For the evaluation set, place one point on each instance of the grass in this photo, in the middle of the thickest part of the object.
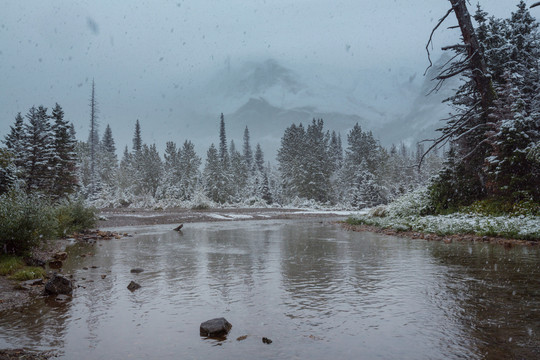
(14, 267)
(28, 273)
(10, 264)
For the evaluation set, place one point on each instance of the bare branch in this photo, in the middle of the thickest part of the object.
(452, 74)
(454, 47)
(535, 4)
(430, 41)
(445, 137)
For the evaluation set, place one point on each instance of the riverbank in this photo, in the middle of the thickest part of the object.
(116, 218)
(449, 238)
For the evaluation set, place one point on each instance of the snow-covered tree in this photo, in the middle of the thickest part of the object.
(38, 152)
(247, 152)
(215, 181)
(64, 161)
(189, 164)
(108, 160)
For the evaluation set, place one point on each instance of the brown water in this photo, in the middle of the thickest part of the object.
(316, 291)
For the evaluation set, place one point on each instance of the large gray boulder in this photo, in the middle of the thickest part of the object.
(215, 328)
(59, 285)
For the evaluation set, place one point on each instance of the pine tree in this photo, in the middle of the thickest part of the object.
(137, 139)
(259, 159)
(108, 161)
(335, 152)
(189, 164)
(64, 161)
(7, 170)
(223, 152)
(363, 177)
(317, 164)
(171, 171)
(238, 174)
(38, 152)
(14, 141)
(290, 159)
(247, 152)
(150, 171)
(125, 173)
(215, 183)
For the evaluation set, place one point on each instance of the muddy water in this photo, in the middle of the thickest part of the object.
(316, 291)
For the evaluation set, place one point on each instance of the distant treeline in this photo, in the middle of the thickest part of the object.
(312, 166)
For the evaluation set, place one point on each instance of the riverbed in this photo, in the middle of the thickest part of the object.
(315, 290)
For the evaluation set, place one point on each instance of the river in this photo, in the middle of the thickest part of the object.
(315, 290)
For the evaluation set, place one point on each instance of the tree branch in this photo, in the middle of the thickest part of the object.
(430, 41)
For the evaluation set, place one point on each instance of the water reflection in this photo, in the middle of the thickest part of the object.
(317, 291)
(493, 292)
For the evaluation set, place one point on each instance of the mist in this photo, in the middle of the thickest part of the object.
(176, 65)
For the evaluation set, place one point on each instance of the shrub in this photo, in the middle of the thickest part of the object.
(413, 203)
(73, 216)
(24, 221)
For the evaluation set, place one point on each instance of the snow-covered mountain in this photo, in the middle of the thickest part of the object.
(268, 96)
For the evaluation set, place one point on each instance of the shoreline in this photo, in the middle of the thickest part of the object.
(118, 218)
(506, 242)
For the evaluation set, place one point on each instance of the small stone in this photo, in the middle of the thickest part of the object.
(103, 276)
(215, 328)
(240, 338)
(133, 286)
(266, 340)
(136, 271)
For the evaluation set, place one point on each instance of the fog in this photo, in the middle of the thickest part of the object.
(176, 65)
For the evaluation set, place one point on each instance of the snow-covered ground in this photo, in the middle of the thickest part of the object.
(517, 227)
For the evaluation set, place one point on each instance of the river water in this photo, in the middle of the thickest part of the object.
(315, 290)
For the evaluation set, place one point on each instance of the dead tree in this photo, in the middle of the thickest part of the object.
(475, 63)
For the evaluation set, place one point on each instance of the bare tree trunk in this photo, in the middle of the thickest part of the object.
(477, 64)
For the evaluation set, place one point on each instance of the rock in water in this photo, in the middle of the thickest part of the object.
(266, 340)
(59, 285)
(62, 255)
(215, 328)
(136, 270)
(179, 227)
(133, 286)
(55, 264)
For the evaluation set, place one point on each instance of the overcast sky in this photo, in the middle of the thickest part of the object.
(142, 54)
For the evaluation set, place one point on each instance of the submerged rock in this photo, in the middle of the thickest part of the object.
(62, 255)
(59, 285)
(133, 286)
(136, 270)
(55, 264)
(215, 328)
